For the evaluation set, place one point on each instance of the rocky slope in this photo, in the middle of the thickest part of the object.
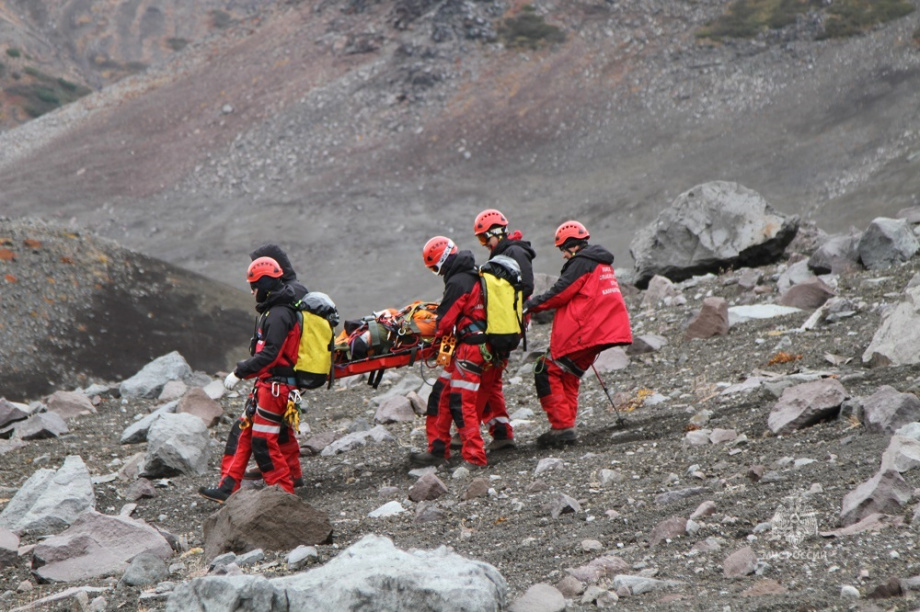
(350, 132)
(628, 479)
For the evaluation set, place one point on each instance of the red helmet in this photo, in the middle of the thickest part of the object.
(436, 251)
(488, 219)
(263, 266)
(571, 229)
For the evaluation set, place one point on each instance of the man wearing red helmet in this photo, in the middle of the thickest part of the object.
(491, 228)
(590, 316)
(274, 353)
(460, 314)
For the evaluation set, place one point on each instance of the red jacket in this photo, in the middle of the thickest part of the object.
(461, 307)
(590, 311)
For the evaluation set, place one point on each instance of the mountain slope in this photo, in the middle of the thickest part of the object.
(350, 132)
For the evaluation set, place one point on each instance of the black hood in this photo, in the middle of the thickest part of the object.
(507, 243)
(277, 253)
(597, 253)
(461, 262)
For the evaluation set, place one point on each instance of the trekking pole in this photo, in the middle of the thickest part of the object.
(620, 419)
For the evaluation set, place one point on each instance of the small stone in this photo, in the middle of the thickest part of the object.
(849, 592)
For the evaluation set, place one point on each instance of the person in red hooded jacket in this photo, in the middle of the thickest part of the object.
(274, 353)
(590, 317)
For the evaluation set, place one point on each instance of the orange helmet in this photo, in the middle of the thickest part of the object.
(488, 219)
(263, 266)
(571, 229)
(436, 251)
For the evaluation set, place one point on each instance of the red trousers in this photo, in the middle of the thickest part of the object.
(491, 405)
(461, 404)
(557, 383)
(279, 461)
(494, 411)
(239, 449)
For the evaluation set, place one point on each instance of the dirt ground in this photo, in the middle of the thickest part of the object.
(513, 528)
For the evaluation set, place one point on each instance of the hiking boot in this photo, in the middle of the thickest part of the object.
(557, 438)
(298, 482)
(473, 467)
(501, 444)
(218, 494)
(456, 442)
(425, 459)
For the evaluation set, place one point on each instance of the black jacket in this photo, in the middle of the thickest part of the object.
(276, 319)
(521, 252)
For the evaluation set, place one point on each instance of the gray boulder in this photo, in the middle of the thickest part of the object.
(176, 444)
(897, 340)
(374, 570)
(886, 243)
(96, 545)
(887, 492)
(886, 410)
(805, 404)
(709, 228)
(50, 500)
(149, 381)
(228, 593)
(837, 255)
(136, 432)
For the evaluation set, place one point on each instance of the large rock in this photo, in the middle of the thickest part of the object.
(837, 255)
(69, 404)
(269, 518)
(137, 431)
(197, 403)
(709, 228)
(897, 340)
(887, 410)
(50, 500)
(96, 545)
(149, 381)
(41, 426)
(712, 320)
(10, 412)
(803, 405)
(374, 570)
(176, 444)
(371, 574)
(886, 243)
(886, 493)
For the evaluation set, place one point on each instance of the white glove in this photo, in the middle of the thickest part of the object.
(231, 380)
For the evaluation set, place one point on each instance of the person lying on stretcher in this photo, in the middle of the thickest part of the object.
(386, 331)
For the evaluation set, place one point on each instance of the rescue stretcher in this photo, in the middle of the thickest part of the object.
(389, 339)
(377, 364)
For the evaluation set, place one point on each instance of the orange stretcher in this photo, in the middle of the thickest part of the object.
(377, 364)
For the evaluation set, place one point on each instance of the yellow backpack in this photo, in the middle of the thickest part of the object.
(318, 316)
(503, 298)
